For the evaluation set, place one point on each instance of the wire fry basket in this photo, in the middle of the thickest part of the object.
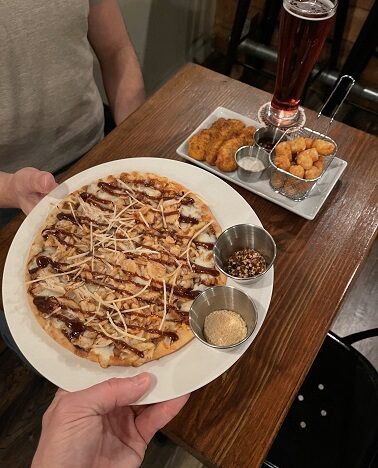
(289, 185)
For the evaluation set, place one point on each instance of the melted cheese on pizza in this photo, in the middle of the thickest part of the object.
(119, 263)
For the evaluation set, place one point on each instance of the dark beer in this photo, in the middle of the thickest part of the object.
(304, 28)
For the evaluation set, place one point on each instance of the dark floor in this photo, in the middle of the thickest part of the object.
(359, 309)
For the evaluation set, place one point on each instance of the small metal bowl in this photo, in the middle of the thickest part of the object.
(242, 236)
(268, 137)
(251, 152)
(222, 298)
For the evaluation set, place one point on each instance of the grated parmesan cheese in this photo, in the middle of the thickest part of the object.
(224, 328)
(165, 305)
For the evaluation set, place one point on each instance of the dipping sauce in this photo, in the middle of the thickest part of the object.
(266, 143)
(224, 328)
(246, 263)
(251, 164)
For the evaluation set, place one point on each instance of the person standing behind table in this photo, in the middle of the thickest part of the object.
(51, 111)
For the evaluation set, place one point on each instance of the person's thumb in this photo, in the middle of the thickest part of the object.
(44, 182)
(36, 181)
(114, 393)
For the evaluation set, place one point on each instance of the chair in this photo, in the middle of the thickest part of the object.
(264, 32)
(363, 49)
(333, 421)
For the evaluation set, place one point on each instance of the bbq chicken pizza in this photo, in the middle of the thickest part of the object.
(112, 273)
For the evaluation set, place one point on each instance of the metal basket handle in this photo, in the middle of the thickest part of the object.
(347, 91)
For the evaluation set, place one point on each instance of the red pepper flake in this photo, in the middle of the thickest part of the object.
(245, 263)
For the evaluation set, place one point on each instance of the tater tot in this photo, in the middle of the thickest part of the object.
(314, 154)
(319, 163)
(309, 142)
(297, 171)
(304, 159)
(312, 173)
(310, 152)
(283, 149)
(323, 147)
(282, 162)
(297, 145)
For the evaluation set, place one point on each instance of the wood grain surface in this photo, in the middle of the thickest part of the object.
(232, 421)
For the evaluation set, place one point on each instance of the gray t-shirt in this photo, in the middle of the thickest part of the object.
(51, 111)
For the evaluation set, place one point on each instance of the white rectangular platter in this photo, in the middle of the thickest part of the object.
(307, 208)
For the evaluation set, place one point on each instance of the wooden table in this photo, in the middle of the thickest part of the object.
(232, 421)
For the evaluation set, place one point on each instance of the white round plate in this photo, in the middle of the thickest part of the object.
(188, 369)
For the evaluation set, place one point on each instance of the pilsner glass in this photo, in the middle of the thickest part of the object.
(304, 27)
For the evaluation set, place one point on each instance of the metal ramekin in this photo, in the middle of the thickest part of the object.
(222, 298)
(243, 236)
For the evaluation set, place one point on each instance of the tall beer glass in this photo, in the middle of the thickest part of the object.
(304, 27)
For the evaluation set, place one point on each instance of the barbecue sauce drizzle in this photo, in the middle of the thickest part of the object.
(76, 327)
(43, 261)
(48, 305)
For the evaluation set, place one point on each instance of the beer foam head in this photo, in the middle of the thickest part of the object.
(313, 10)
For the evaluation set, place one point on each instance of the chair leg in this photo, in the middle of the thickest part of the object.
(269, 21)
(354, 337)
(237, 29)
(364, 46)
(264, 34)
(341, 17)
(268, 464)
(359, 56)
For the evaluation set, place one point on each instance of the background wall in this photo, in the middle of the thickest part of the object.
(166, 34)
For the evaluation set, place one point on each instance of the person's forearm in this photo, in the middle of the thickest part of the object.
(120, 68)
(7, 199)
(123, 83)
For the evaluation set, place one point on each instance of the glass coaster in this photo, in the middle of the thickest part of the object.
(263, 114)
